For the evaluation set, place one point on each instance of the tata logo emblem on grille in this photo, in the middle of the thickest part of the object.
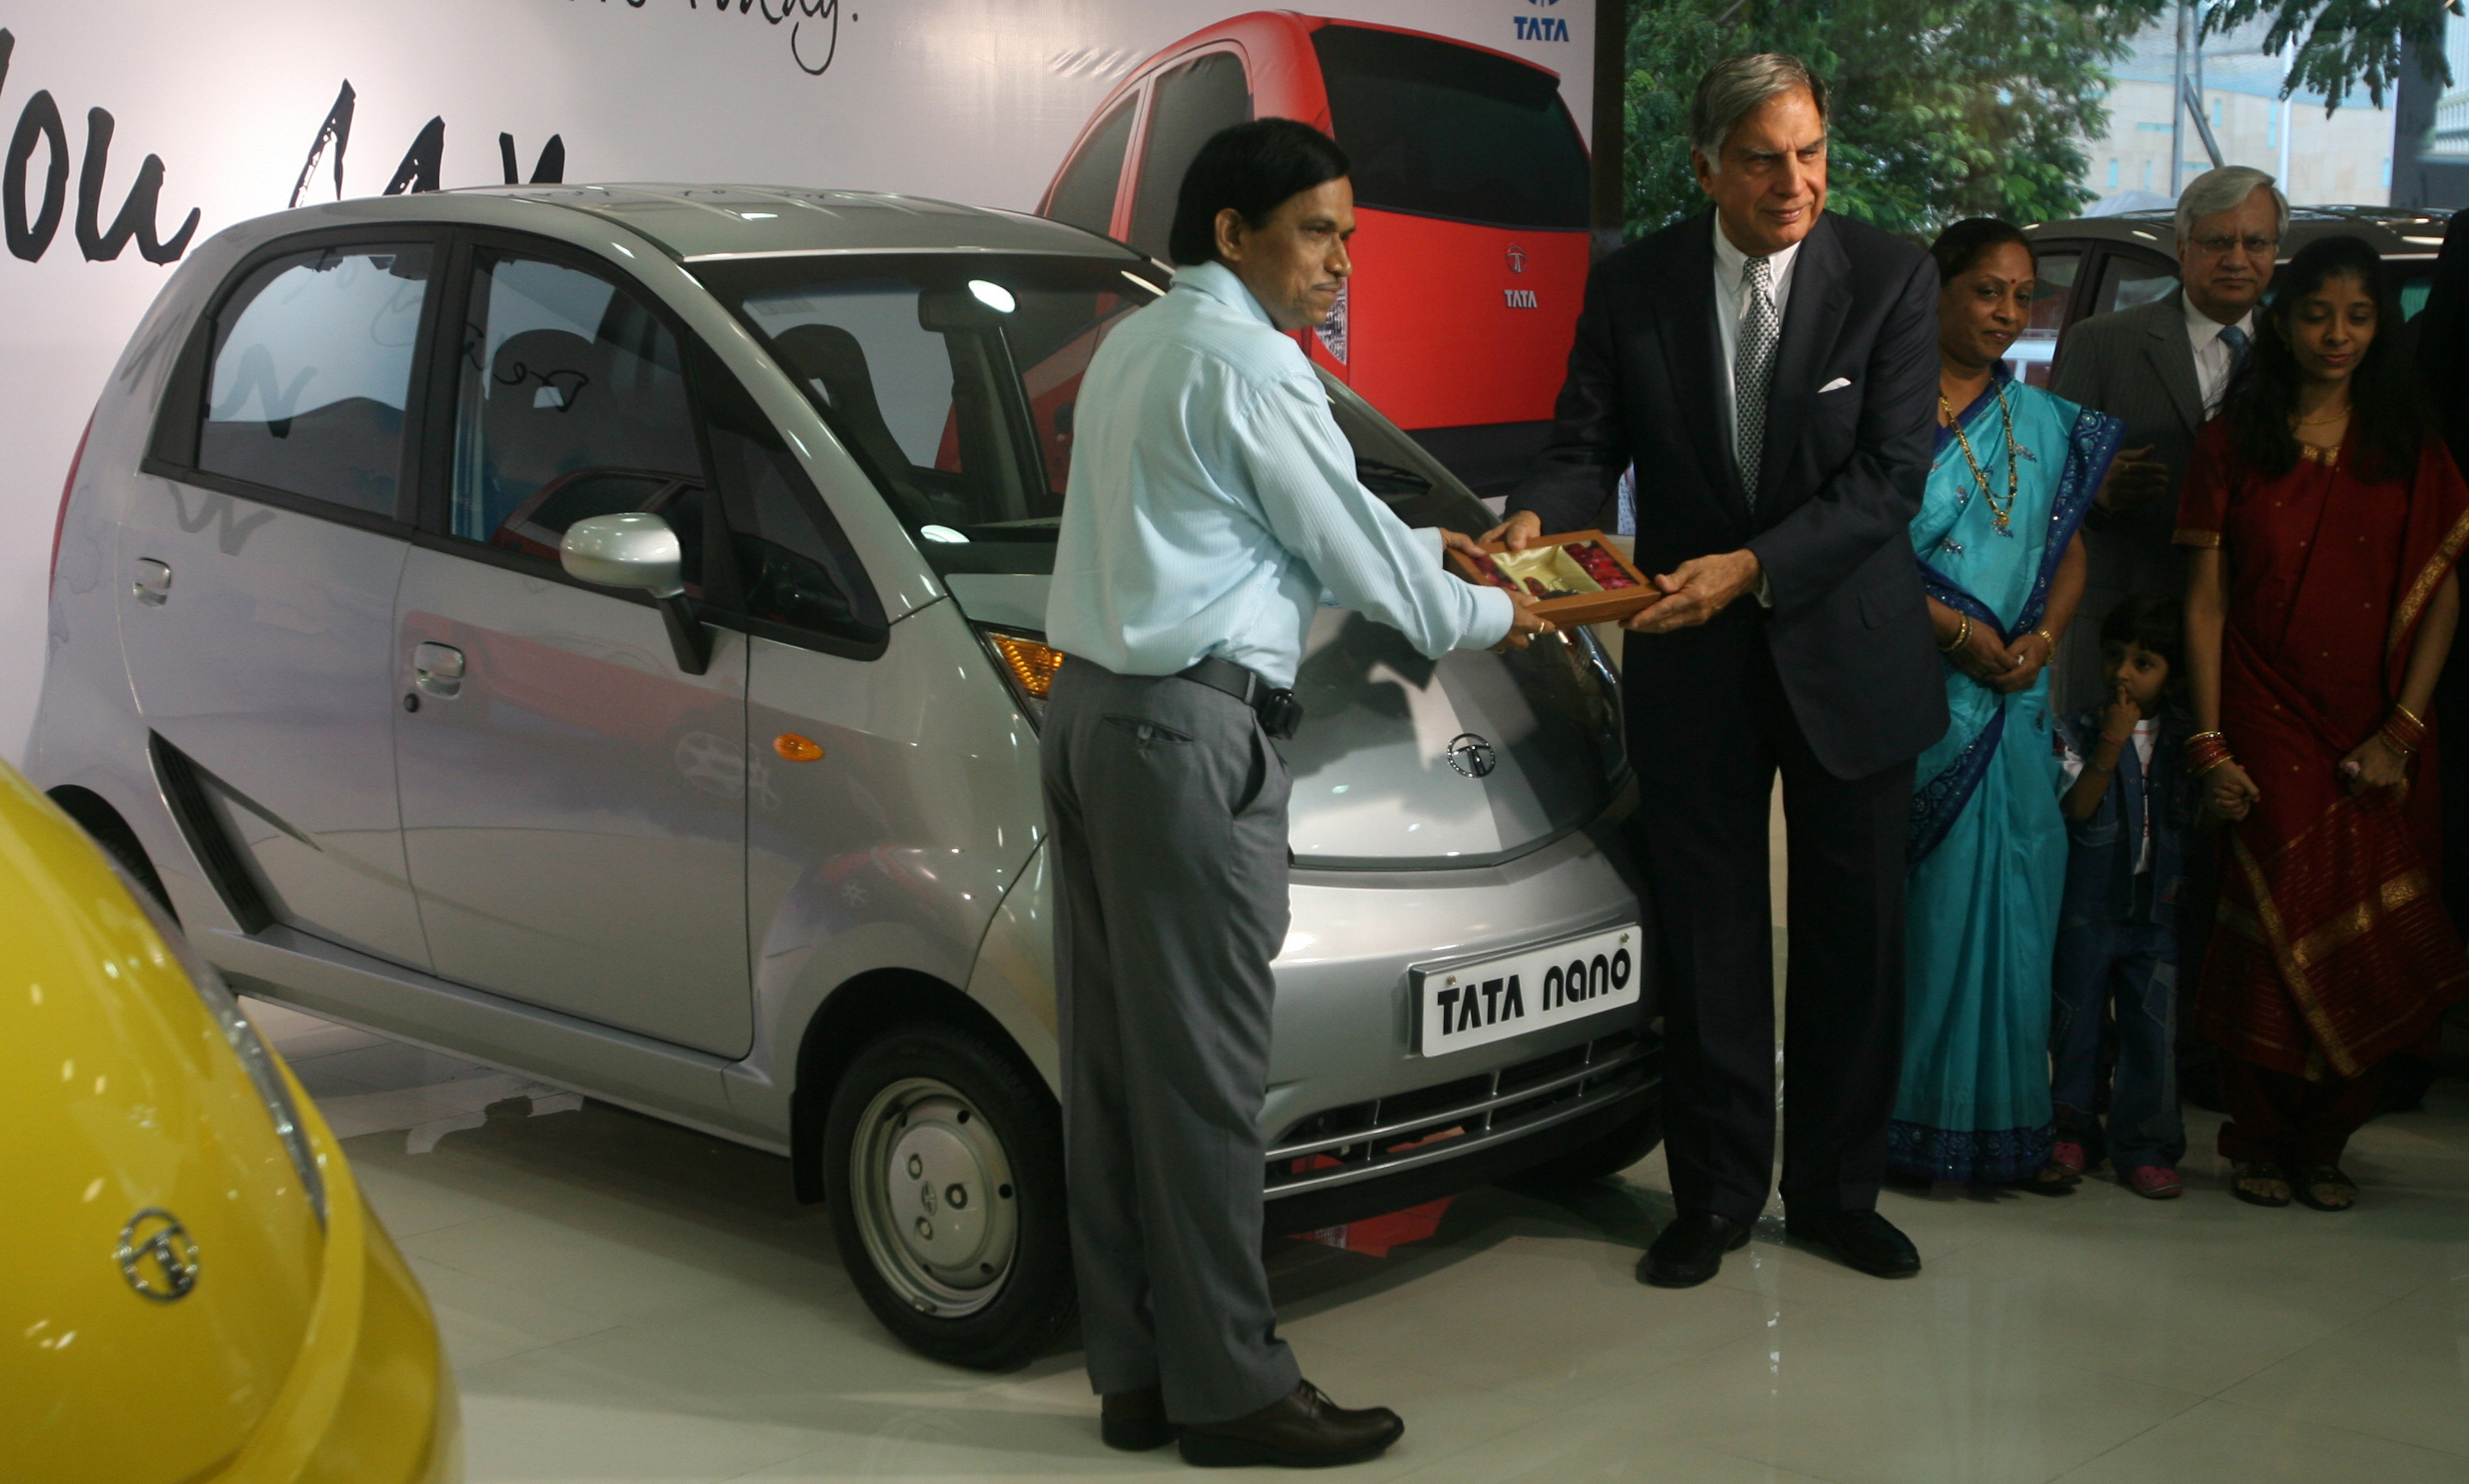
(1471, 757)
(1520, 298)
(156, 1256)
(1516, 258)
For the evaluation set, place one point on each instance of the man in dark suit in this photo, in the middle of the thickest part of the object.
(2163, 367)
(1771, 372)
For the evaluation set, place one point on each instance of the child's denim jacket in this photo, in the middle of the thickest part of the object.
(2100, 862)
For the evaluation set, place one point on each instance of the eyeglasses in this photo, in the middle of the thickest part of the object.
(2222, 247)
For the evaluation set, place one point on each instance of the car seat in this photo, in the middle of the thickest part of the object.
(834, 360)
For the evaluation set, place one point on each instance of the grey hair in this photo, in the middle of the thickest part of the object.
(2225, 189)
(1733, 89)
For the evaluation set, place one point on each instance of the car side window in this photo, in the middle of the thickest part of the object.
(1193, 102)
(572, 401)
(2129, 279)
(2054, 273)
(1085, 195)
(792, 564)
(311, 372)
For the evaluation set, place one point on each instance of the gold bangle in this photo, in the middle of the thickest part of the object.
(2415, 719)
(2048, 638)
(1962, 636)
(2200, 736)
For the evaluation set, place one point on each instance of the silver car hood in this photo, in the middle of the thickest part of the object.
(1404, 761)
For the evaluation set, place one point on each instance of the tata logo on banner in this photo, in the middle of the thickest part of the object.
(1541, 28)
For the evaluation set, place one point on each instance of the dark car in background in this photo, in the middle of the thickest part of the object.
(2095, 265)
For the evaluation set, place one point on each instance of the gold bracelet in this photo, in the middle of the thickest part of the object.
(2414, 718)
(1962, 636)
(2047, 638)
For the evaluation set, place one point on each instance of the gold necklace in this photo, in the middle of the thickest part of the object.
(1996, 512)
(2320, 421)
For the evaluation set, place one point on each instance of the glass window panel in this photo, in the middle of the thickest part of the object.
(573, 402)
(1193, 102)
(1442, 130)
(311, 372)
(1085, 196)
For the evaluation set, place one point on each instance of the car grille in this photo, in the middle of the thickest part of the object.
(1341, 1145)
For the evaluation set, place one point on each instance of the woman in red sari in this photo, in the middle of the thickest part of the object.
(2324, 522)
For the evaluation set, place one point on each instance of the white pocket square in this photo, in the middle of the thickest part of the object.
(1836, 385)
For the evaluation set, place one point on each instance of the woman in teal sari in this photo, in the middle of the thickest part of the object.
(2015, 469)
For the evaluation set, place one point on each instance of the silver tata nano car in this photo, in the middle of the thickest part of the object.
(596, 630)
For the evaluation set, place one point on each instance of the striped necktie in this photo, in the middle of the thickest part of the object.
(1753, 372)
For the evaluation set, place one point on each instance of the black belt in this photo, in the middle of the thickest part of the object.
(1280, 712)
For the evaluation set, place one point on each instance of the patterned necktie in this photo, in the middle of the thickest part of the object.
(1753, 372)
(2235, 339)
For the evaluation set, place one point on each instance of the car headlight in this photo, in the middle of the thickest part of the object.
(244, 1041)
(1028, 663)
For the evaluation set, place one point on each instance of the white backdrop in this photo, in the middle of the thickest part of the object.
(968, 99)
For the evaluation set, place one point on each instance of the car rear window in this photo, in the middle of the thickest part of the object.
(1439, 130)
(311, 370)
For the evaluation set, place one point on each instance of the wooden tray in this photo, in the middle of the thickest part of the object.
(1547, 561)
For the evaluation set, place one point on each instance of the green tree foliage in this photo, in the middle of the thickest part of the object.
(1941, 109)
(2343, 45)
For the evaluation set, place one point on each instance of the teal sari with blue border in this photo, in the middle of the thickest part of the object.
(1988, 845)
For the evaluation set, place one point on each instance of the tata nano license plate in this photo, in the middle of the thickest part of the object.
(1474, 1004)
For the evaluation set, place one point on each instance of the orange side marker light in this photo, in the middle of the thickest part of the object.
(796, 748)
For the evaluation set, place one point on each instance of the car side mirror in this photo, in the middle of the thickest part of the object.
(636, 552)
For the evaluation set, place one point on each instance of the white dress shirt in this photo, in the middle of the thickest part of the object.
(2212, 359)
(1732, 302)
(1213, 505)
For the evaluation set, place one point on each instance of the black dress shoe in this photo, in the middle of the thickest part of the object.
(1691, 1250)
(1135, 1421)
(1863, 1239)
(1301, 1429)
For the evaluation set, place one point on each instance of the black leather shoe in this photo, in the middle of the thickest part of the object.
(1863, 1239)
(1691, 1250)
(1135, 1421)
(1301, 1429)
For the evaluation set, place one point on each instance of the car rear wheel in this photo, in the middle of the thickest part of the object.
(944, 1165)
(1606, 1153)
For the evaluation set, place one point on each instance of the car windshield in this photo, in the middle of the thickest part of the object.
(1439, 130)
(950, 378)
(953, 379)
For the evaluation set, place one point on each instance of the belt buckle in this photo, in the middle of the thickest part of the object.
(1280, 714)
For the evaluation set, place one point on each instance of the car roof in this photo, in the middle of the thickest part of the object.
(2392, 231)
(703, 222)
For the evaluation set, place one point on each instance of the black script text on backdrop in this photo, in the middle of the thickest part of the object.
(39, 124)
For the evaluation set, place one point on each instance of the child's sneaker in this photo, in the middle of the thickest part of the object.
(2153, 1182)
(2072, 1154)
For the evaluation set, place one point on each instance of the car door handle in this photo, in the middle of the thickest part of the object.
(153, 583)
(437, 669)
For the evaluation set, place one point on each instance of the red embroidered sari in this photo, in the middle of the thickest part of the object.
(2331, 948)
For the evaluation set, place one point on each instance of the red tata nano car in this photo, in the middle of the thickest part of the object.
(1470, 198)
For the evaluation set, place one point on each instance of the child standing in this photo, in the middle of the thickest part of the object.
(2127, 805)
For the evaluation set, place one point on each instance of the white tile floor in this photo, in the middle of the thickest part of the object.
(626, 1300)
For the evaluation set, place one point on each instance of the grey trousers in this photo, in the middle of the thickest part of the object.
(1167, 810)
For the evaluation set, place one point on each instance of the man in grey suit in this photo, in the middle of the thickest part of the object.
(2163, 367)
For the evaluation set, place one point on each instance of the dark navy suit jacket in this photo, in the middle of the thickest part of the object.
(1840, 481)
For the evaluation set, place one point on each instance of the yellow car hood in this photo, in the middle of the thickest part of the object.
(120, 1097)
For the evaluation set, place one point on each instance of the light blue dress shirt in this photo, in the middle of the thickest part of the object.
(1213, 505)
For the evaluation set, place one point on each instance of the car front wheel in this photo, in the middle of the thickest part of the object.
(943, 1166)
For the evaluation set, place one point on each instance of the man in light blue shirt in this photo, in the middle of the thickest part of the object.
(1213, 507)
